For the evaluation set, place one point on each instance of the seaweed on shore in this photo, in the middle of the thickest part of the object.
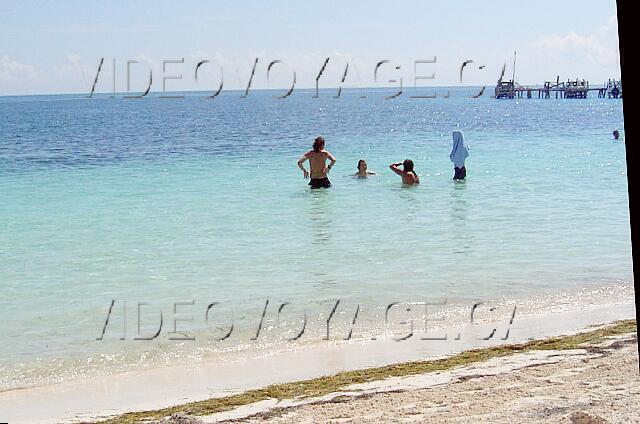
(332, 383)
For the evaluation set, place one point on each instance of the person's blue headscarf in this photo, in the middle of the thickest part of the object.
(460, 150)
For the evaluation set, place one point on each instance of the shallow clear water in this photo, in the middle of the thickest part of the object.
(165, 201)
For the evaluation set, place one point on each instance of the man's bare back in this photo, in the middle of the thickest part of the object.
(318, 164)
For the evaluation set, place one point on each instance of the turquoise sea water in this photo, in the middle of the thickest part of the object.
(163, 201)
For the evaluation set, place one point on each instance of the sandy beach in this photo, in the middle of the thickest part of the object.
(598, 384)
(232, 389)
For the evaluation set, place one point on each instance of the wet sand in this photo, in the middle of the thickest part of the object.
(598, 384)
(99, 398)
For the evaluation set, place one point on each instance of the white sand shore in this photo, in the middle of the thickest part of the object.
(586, 386)
(157, 388)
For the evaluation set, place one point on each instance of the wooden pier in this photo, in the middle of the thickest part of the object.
(570, 89)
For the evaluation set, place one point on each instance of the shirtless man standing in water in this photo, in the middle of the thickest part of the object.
(317, 160)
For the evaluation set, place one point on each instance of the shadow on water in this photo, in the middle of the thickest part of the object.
(459, 211)
(321, 225)
(410, 200)
(320, 222)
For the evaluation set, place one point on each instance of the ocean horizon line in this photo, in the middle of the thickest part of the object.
(240, 90)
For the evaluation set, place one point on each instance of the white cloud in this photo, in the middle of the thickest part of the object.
(570, 54)
(572, 46)
(74, 73)
(11, 70)
(610, 27)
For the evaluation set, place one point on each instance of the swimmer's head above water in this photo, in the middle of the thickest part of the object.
(407, 165)
(363, 172)
(318, 144)
(616, 134)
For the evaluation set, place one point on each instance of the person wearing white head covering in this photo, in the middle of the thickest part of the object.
(459, 153)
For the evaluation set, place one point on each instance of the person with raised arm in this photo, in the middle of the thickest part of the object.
(407, 173)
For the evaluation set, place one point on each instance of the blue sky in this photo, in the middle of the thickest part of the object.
(54, 47)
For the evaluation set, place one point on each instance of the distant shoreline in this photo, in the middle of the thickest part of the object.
(239, 91)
